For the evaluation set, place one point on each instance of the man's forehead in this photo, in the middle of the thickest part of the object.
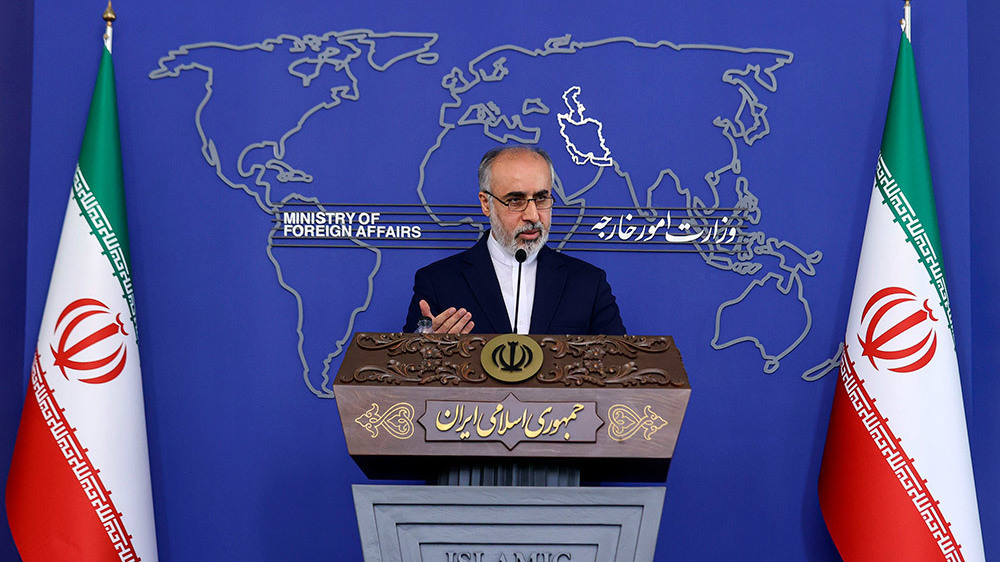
(521, 172)
(521, 192)
(516, 156)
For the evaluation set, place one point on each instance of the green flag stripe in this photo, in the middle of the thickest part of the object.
(95, 214)
(904, 147)
(917, 235)
(101, 156)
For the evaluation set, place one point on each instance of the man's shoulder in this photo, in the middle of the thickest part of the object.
(450, 263)
(564, 260)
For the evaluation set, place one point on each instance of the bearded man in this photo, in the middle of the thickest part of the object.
(475, 290)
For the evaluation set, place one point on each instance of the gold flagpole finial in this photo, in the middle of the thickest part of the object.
(109, 14)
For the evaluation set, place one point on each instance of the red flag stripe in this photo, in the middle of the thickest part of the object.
(873, 499)
(55, 495)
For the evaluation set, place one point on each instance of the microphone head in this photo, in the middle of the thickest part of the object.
(520, 255)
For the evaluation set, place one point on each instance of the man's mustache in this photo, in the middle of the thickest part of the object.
(537, 225)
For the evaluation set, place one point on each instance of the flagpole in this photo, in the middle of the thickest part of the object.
(905, 22)
(109, 17)
(78, 487)
(896, 483)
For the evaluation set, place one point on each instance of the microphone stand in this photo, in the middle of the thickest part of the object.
(520, 255)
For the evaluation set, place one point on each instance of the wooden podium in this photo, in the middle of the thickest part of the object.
(508, 426)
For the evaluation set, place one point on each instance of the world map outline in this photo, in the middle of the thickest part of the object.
(338, 50)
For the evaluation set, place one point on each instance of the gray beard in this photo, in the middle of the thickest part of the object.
(508, 240)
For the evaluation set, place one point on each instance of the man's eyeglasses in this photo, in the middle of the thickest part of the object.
(519, 204)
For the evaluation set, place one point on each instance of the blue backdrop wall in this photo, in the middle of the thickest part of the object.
(15, 124)
(983, 415)
(233, 111)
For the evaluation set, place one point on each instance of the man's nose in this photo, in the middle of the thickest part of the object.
(530, 213)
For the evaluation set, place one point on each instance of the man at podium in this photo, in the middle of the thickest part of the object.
(510, 281)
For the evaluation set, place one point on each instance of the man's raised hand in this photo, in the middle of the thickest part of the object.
(450, 321)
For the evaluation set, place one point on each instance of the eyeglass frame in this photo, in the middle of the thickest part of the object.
(526, 200)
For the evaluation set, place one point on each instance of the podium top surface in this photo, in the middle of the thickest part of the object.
(509, 360)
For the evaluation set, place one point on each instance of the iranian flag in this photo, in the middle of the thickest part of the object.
(896, 481)
(78, 487)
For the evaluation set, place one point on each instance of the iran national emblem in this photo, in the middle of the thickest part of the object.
(90, 345)
(897, 331)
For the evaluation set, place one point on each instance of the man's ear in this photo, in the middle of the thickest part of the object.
(484, 201)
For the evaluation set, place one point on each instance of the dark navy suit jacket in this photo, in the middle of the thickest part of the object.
(571, 295)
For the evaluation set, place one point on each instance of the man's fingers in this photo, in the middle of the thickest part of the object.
(464, 319)
(440, 320)
(451, 321)
(450, 318)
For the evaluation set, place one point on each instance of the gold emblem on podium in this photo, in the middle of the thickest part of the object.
(396, 421)
(626, 422)
(512, 358)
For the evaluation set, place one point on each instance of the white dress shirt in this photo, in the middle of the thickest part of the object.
(506, 269)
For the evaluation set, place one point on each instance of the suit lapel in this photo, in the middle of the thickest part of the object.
(482, 279)
(550, 279)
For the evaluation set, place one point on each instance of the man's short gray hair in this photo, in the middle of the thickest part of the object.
(486, 164)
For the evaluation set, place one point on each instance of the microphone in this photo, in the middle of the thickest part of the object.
(520, 255)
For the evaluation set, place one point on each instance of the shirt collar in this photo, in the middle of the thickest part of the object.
(499, 254)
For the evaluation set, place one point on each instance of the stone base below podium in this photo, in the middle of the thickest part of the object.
(511, 524)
